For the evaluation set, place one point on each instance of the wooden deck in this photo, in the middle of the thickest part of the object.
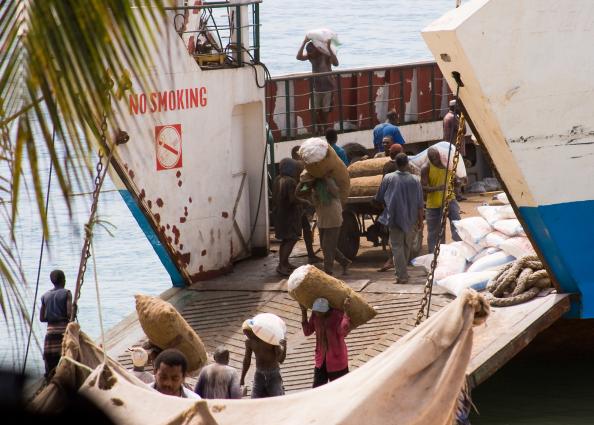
(217, 308)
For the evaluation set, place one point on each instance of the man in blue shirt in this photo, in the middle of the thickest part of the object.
(401, 194)
(332, 138)
(388, 128)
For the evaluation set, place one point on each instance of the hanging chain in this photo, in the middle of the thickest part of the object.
(448, 192)
(86, 250)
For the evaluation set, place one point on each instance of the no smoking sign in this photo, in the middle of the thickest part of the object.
(168, 144)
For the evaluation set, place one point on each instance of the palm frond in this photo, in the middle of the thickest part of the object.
(60, 61)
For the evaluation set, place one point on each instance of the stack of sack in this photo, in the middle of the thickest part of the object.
(490, 241)
(366, 176)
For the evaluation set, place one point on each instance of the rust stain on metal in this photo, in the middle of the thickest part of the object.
(126, 166)
(225, 214)
(183, 258)
(212, 239)
(159, 202)
(181, 246)
(178, 174)
(186, 211)
(210, 199)
(176, 233)
(142, 194)
(190, 199)
(210, 274)
(168, 226)
(182, 219)
(203, 253)
(158, 218)
(149, 203)
(131, 174)
(162, 229)
(179, 183)
(169, 239)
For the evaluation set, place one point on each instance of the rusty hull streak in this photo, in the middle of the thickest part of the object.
(159, 202)
(225, 214)
(210, 274)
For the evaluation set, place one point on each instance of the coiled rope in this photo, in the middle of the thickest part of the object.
(518, 282)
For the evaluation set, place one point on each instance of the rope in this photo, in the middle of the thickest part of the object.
(518, 282)
(99, 311)
(49, 185)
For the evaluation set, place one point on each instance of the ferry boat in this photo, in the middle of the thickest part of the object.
(195, 171)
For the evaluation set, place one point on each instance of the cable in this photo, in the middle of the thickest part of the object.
(49, 183)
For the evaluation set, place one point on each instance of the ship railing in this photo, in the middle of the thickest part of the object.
(219, 34)
(361, 99)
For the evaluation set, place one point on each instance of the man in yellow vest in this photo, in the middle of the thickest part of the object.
(433, 178)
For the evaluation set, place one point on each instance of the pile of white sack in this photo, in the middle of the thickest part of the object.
(489, 241)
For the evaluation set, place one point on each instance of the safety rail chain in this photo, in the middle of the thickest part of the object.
(362, 98)
(218, 40)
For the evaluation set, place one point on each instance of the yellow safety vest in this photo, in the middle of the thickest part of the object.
(437, 178)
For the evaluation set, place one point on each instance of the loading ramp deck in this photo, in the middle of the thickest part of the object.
(216, 310)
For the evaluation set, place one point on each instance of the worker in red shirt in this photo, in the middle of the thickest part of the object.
(331, 327)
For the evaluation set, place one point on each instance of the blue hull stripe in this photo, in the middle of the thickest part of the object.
(565, 235)
(176, 277)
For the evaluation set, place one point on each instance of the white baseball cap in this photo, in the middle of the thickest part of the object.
(320, 305)
(139, 357)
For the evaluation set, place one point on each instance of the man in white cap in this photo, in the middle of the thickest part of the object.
(267, 379)
(331, 327)
(139, 360)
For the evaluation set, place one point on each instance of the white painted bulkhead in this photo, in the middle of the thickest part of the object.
(527, 68)
(193, 168)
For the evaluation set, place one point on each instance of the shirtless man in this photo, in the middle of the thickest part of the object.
(267, 379)
(323, 86)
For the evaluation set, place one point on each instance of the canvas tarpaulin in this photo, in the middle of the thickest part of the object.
(415, 381)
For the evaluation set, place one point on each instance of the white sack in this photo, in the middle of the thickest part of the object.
(493, 239)
(451, 261)
(491, 262)
(518, 246)
(313, 150)
(469, 251)
(510, 227)
(268, 327)
(455, 284)
(472, 229)
(420, 160)
(495, 213)
(319, 37)
(502, 197)
(483, 253)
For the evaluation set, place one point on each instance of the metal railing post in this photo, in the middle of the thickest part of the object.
(433, 111)
(370, 96)
(340, 116)
(239, 41)
(402, 104)
(312, 106)
(287, 111)
(256, 22)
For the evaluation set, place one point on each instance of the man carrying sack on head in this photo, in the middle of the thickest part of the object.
(331, 327)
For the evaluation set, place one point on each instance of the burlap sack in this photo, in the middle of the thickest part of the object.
(369, 167)
(365, 186)
(307, 283)
(330, 166)
(166, 328)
